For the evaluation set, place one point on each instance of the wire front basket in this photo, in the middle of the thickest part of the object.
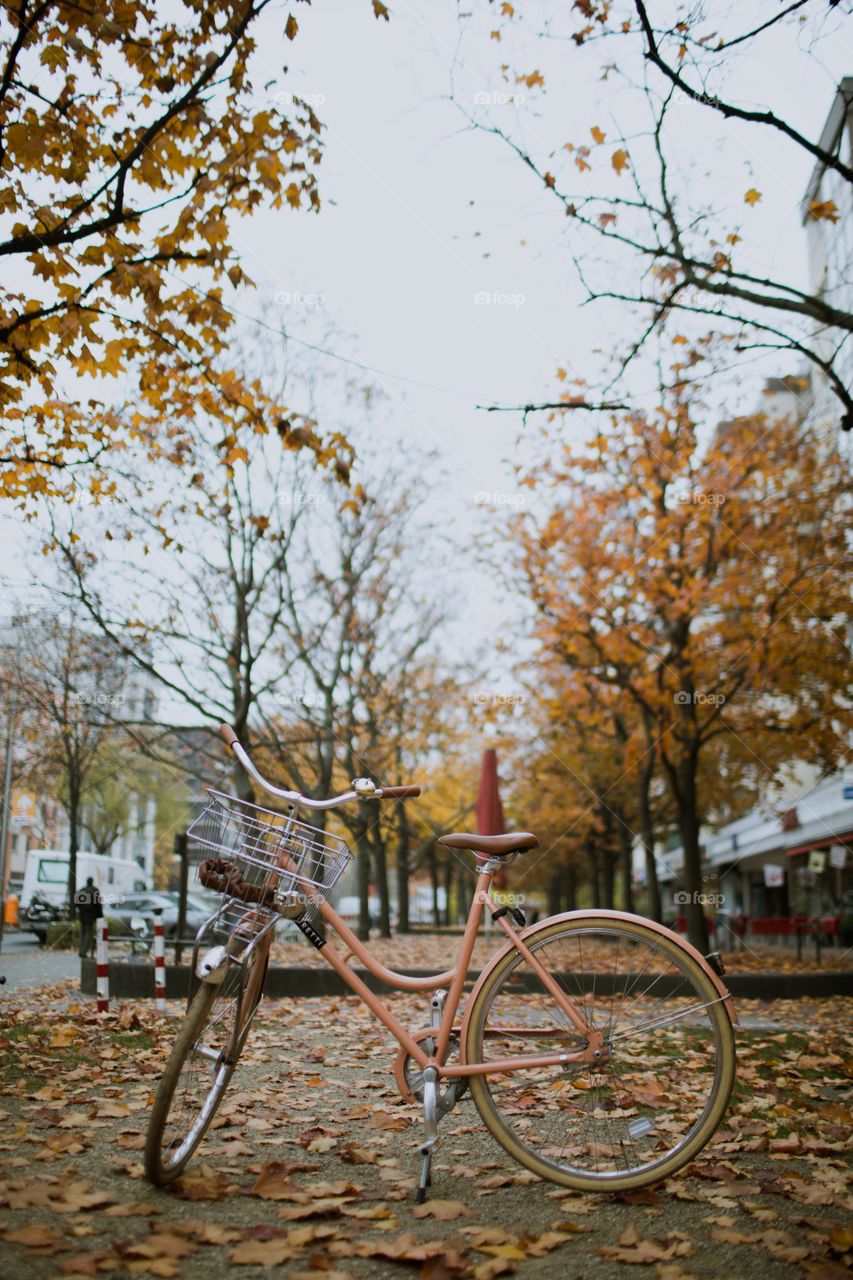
(266, 860)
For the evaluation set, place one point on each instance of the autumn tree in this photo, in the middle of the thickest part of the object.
(700, 574)
(647, 230)
(132, 137)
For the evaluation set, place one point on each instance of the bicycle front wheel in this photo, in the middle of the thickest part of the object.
(200, 1066)
(667, 1069)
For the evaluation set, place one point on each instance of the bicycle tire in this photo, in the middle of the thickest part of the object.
(166, 1157)
(641, 1112)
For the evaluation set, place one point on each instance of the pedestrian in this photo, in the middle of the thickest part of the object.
(89, 909)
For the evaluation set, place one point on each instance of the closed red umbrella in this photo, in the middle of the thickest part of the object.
(489, 810)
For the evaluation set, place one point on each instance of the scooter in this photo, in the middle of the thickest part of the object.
(39, 914)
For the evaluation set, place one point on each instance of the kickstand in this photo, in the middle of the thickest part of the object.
(431, 1131)
(426, 1178)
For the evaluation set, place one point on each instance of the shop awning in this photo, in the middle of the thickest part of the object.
(842, 837)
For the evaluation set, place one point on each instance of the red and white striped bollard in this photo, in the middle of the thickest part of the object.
(102, 966)
(159, 966)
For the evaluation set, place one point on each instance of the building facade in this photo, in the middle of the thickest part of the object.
(829, 241)
(116, 691)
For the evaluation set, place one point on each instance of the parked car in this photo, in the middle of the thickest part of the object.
(163, 905)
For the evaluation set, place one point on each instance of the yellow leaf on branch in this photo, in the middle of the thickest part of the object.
(823, 210)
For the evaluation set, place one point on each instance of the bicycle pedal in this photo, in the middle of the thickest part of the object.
(715, 960)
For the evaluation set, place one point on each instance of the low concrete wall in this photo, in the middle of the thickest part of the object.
(136, 981)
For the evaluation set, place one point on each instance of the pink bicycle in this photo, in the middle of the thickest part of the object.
(597, 1046)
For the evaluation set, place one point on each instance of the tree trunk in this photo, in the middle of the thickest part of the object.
(463, 893)
(689, 825)
(595, 885)
(625, 861)
(380, 866)
(362, 853)
(609, 876)
(647, 836)
(653, 897)
(73, 834)
(554, 887)
(449, 868)
(570, 884)
(433, 876)
(403, 925)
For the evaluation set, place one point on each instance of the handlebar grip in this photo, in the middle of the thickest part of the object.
(399, 793)
(228, 735)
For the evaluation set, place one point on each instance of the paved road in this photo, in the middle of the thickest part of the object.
(25, 964)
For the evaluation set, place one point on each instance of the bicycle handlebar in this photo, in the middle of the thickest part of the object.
(362, 793)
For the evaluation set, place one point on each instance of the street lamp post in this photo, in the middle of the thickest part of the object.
(6, 821)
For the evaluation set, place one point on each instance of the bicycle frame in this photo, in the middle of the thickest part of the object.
(455, 976)
(455, 979)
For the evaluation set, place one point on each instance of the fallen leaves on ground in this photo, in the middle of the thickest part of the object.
(313, 1158)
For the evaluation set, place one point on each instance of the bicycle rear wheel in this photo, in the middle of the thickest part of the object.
(663, 1084)
(201, 1064)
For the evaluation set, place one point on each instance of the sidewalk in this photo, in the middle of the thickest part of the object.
(26, 965)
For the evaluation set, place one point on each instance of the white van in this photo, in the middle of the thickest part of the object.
(46, 874)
